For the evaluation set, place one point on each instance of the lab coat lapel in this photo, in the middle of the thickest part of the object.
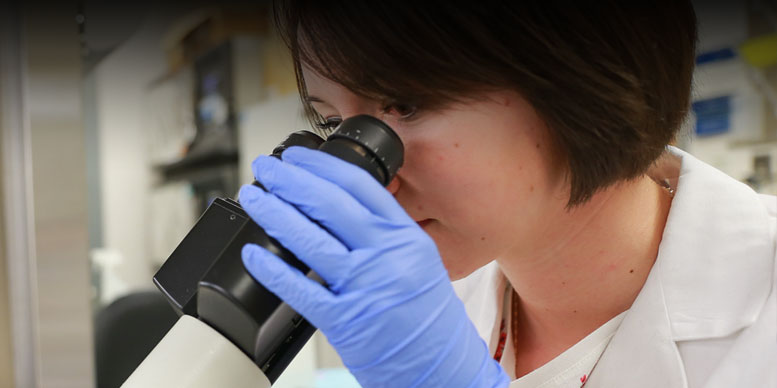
(642, 352)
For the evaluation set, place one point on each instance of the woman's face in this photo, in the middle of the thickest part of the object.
(481, 178)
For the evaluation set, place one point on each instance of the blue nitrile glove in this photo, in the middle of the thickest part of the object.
(390, 310)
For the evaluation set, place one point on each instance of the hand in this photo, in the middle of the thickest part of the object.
(389, 309)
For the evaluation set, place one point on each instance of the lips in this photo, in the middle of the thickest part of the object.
(424, 222)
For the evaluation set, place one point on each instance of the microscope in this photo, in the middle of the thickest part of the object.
(232, 332)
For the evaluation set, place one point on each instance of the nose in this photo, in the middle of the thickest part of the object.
(393, 186)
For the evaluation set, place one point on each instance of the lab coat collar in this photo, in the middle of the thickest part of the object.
(719, 241)
(712, 277)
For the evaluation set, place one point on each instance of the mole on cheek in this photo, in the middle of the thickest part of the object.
(456, 145)
(420, 207)
(531, 189)
(538, 145)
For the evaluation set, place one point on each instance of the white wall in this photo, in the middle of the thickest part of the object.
(263, 126)
(121, 83)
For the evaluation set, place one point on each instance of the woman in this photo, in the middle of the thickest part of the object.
(538, 176)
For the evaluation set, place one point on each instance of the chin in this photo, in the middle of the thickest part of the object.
(460, 260)
(456, 257)
(455, 269)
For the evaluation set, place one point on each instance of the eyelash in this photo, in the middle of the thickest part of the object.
(329, 124)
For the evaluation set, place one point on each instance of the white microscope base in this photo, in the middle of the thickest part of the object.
(193, 355)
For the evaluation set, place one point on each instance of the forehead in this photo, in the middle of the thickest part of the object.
(321, 90)
(314, 82)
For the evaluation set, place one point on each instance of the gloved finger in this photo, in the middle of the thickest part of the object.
(321, 200)
(305, 296)
(309, 242)
(357, 182)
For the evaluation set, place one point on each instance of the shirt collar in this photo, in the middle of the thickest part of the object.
(482, 293)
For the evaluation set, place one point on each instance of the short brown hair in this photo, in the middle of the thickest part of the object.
(611, 78)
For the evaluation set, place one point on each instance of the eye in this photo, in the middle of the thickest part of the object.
(329, 124)
(404, 111)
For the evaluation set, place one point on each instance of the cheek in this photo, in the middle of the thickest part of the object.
(477, 201)
(489, 193)
(472, 187)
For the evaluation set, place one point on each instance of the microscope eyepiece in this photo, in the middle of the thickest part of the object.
(368, 143)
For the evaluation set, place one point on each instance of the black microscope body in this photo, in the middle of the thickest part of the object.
(205, 278)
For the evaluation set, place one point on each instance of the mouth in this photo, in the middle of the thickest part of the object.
(424, 222)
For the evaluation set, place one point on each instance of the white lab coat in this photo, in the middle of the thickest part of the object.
(707, 314)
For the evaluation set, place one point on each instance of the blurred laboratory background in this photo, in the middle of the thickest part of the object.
(121, 121)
